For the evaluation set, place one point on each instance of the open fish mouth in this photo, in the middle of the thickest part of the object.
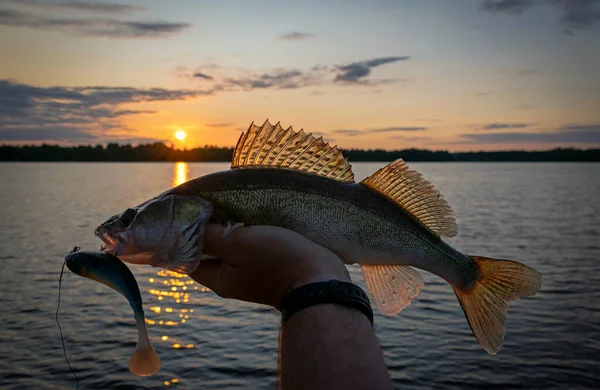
(110, 241)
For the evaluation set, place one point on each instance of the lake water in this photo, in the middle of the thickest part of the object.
(544, 215)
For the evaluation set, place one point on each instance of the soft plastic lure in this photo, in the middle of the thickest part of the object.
(109, 270)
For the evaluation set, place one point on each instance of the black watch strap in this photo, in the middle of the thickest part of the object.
(333, 291)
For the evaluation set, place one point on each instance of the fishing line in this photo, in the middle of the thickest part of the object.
(57, 323)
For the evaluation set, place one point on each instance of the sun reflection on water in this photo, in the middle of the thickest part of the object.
(172, 292)
(181, 172)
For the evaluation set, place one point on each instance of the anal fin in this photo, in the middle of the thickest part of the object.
(392, 286)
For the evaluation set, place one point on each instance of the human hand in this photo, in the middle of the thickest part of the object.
(262, 264)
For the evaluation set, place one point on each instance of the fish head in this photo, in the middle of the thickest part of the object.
(162, 231)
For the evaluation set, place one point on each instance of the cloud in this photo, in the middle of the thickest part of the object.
(500, 126)
(274, 79)
(357, 71)
(220, 125)
(393, 129)
(574, 14)
(202, 76)
(224, 79)
(91, 27)
(568, 134)
(279, 78)
(511, 7)
(577, 14)
(397, 128)
(410, 139)
(231, 79)
(132, 140)
(295, 36)
(29, 112)
(575, 127)
(74, 5)
(347, 132)
(48, 133)
(133, 112)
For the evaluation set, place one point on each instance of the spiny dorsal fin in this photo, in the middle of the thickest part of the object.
(271, 146)
(416, 195)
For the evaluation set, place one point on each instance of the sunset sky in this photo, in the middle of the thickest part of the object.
(393, 74)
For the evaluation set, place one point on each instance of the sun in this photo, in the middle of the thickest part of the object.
(180, 135)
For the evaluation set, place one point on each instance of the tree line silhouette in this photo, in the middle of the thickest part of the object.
(158, 151)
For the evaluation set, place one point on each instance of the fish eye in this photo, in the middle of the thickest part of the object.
(127, 217)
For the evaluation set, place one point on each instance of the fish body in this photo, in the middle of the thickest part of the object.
(358, 224)
(390, 223)
(112, 272)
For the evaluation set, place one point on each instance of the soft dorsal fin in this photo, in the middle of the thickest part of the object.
(416, 195)
(271, 146)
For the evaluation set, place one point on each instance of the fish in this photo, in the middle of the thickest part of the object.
(392, 223)
(107, 269)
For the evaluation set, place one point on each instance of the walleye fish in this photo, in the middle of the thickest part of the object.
(390, 223)
(109, 270)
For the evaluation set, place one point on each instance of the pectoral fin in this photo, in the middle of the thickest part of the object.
(186, 254)
(392, 286)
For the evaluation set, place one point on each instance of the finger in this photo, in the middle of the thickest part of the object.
(207, 273)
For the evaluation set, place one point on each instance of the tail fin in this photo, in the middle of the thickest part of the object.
(145, 360)
(485, 303)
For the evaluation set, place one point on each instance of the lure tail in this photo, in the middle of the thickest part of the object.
(145, 360)
(485, 303)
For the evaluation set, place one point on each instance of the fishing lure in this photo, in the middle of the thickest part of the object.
(109, 270)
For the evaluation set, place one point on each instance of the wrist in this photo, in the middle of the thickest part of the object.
(320, 270)
(314, 266)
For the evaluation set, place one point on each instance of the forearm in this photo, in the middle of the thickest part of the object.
(331, 347)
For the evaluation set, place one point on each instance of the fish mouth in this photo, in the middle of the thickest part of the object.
(109, 240)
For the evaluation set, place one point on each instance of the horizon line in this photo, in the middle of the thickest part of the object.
(207, 146)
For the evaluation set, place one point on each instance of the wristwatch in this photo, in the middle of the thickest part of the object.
(333, 291)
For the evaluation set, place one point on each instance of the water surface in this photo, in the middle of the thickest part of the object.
(544, 215)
